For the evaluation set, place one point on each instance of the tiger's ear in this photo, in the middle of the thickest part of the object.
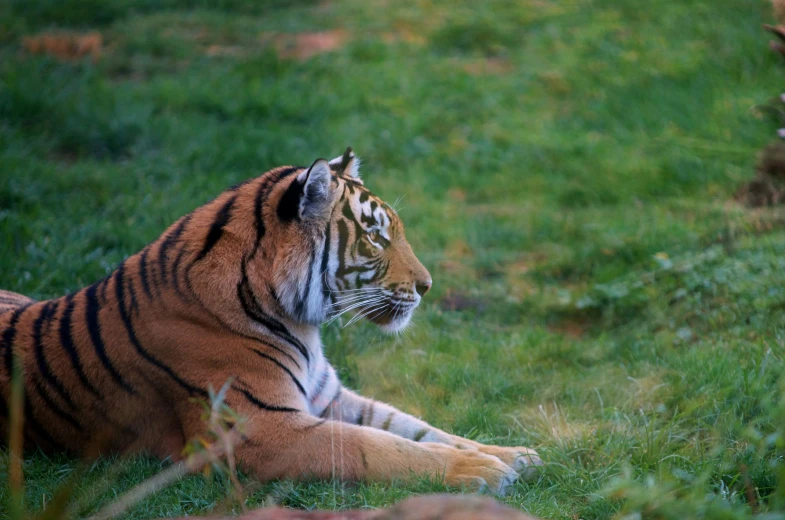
(315, 182)
(347, 165)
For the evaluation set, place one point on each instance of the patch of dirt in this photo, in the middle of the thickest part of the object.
(302, 46)
(225, 50)
(487, 67)
(768, 186)
(573, 327)
(65, 46)
(454, 301)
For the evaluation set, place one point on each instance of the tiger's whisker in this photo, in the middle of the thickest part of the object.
(354, 306)
(365, 313)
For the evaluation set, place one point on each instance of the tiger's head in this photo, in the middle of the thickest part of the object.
(345, 250)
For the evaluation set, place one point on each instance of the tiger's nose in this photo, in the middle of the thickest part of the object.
(423, 287)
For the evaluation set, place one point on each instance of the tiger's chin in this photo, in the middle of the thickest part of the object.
(395, 318)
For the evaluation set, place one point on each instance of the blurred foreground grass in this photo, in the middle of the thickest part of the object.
(566, 171)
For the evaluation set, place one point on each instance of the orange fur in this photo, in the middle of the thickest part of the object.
(235, 291)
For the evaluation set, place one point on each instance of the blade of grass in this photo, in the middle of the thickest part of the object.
(16, 443)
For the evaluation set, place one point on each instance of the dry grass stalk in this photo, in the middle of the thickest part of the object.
(16, 441)
(206, 453)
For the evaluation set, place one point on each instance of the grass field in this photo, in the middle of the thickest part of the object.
(566, 171)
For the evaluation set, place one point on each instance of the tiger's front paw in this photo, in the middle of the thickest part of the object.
(474, 469)
(524, 461)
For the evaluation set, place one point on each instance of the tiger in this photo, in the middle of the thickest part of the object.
(234, 294)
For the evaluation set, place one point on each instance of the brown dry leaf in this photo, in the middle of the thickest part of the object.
(302, 46)
(65, 46)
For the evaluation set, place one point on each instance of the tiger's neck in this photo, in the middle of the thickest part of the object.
(212, 269)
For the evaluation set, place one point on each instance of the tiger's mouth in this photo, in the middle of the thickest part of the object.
(394, 315)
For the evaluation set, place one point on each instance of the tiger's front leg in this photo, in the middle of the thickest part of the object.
(353, 408)
(298, 446)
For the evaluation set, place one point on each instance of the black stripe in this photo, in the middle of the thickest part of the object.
(359, 420)
(325, 261)
(168, 242)
(143, 273)
(420, 434)
(320, 387)
(103, 284)
(94, 328)
(279, 350)
(217, 228)
(67, 342)
(264, 189)
(314, 425)
(39, 429)
(46, 315)
(388, 421)
(254, 311)
(240, 184)
(126, 319)
(301, 304)
(289, 204)
(175, 268)
(357, 269)
(264, 406)
(380, 273)
(284, 368)
(258, 217)
(55, 408)
(343, 240)
(276, 299)
(335, 398)
(7, 341)
(362, 457)
(370, 413)
(132, 296)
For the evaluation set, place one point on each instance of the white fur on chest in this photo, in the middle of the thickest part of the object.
(321, 385)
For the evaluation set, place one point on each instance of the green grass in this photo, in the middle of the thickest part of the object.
(538, 193)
